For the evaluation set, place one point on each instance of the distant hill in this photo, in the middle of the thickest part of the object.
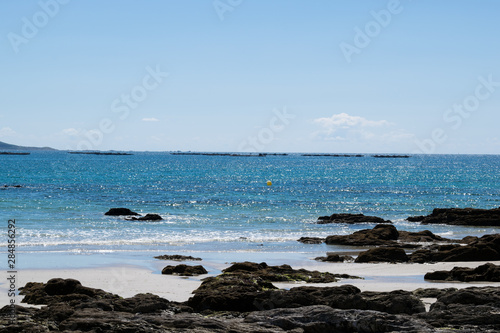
(7, 146)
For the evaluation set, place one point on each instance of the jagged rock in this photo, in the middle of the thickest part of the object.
(283, 273)
(382, 254)
(381, 234)
(311, 240)
(351, 219)
(324, 319)
(120, 212)
(177, 257)
(479, 307)
(487, 272)
(147, 217)
(460, 216)
(432, 292)
(184, 270)
(424, 236)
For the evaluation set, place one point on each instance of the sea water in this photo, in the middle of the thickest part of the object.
(220, 207)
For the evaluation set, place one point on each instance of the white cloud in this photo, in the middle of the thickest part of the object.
(345, 128)
(6, 132)
(150, 119)
(344, 121)
(71, 132)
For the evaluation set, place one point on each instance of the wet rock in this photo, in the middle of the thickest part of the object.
(472, 308)
(487, 272)
(120, 212)
(460, 216)
(432, 292)
(320, 318)
(147, 217)
(311, 240)
(424, 236)
(177, 257)
(383, 254)
(486, 248)
(351, 219)
(334, 257)
(283, 273)
(381, 234)
(184, 270)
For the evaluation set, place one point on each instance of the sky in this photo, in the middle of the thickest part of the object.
(321, 76)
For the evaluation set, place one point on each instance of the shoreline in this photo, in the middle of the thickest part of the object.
(129, 280)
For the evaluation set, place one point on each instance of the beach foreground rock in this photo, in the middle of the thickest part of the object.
(71, 307)
(487, 272)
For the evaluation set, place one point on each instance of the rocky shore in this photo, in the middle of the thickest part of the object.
(244, 299)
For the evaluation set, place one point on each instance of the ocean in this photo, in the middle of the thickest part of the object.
(220, 207)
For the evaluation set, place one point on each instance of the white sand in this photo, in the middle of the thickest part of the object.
(128, 281)
(125, 281)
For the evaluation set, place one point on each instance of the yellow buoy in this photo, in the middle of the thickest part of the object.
(269, 183)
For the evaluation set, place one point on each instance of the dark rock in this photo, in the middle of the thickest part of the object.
(487, 272)
(283, 273)
(184, 270)
(350, 219)
(381, 234)
(333, 257)
(320, 318)
(425, 236)
(120, 212)
(486, 248)
(147, 217)
(432, 292)
(311, 240)
(382, 254)
(177, 257)
(479, 307)
(461, 216)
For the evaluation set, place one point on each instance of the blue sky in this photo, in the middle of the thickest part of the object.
(239, 75)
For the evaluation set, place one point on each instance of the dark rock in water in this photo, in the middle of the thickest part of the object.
(474, 309)
(486, 248)
(333, 257)
(120, 212)
(381, 234)
(311, 240)
(147, 217)
(177, 257)
(487, 272)
(350, 219)
(324, 319)
(460, 216)
(383, 254)
(184, 270)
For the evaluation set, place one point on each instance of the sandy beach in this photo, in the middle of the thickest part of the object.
(128, 281)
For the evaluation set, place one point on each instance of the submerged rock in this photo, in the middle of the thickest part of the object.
(147, 217)
(120, 212)
(350, 219)
(177, 257)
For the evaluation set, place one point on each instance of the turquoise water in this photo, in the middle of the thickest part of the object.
(220, 206)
